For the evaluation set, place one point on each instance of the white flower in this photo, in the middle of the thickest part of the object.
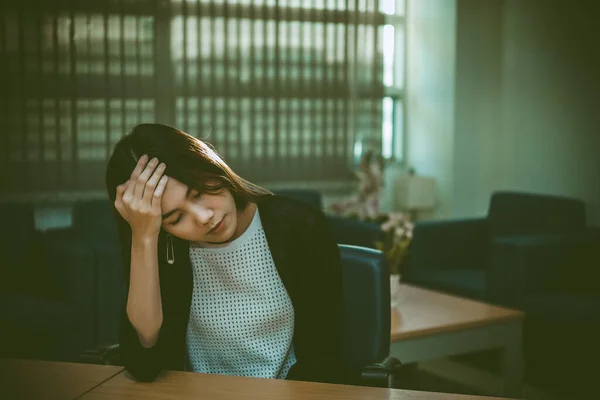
(399, 232)
(394, 220)
(387, 225)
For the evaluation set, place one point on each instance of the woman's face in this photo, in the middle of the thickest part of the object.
(198, 217)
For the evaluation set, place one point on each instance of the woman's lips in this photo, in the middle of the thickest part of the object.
(218, 228)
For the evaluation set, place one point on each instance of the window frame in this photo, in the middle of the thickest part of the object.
(396, 91)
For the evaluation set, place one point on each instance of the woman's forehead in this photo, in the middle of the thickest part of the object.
(174, 193)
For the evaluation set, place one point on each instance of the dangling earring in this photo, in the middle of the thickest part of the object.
(170, 252)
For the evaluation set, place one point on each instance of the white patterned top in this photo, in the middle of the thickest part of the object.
(241, 319)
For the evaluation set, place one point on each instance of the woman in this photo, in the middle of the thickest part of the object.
(222, 276)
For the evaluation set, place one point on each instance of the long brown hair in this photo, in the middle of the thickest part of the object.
(188, 159)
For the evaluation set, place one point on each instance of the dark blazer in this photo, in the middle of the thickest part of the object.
(308, 262)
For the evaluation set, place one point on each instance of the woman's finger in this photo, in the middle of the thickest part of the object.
(142, 179)
(119, 197)
(139, 167)
(120, 190)
(152, 182)
(129, 191)
(158, 192)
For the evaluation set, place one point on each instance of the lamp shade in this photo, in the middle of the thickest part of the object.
(414, 192)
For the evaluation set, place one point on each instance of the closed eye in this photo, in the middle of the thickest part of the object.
(180, 217)
(177, 220)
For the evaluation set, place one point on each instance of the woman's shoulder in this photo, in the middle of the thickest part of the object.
(277, 206)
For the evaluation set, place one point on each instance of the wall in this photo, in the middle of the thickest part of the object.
(551, 134)
(478, 124)
(526, 84)
(430, 93)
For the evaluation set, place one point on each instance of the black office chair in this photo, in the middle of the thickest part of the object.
(367, 315)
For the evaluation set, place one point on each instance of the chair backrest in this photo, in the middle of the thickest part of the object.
(514, 213)
(355, 232)
(367, 306)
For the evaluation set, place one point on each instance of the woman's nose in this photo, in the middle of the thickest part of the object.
(202, 215)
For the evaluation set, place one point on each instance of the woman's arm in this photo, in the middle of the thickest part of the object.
(144, 308)
(138, 201)
(143, 360)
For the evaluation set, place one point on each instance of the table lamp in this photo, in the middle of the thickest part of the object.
(414, 193)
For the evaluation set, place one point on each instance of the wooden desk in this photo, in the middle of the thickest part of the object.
(429, 325)
(31, 379)
(188, 385)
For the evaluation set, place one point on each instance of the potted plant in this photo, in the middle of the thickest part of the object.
(398, 230)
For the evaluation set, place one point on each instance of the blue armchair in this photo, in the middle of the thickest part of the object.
(554, 280)
(460, 256)
(531, 252)
(449, 256)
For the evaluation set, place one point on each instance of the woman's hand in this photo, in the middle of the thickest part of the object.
(139, 199)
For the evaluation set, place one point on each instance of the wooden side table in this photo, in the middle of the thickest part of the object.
(429, 325)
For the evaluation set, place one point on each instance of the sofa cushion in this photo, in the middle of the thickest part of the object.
(514, 213)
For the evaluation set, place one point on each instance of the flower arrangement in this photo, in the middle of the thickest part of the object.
(365, 206)
(398, 234)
